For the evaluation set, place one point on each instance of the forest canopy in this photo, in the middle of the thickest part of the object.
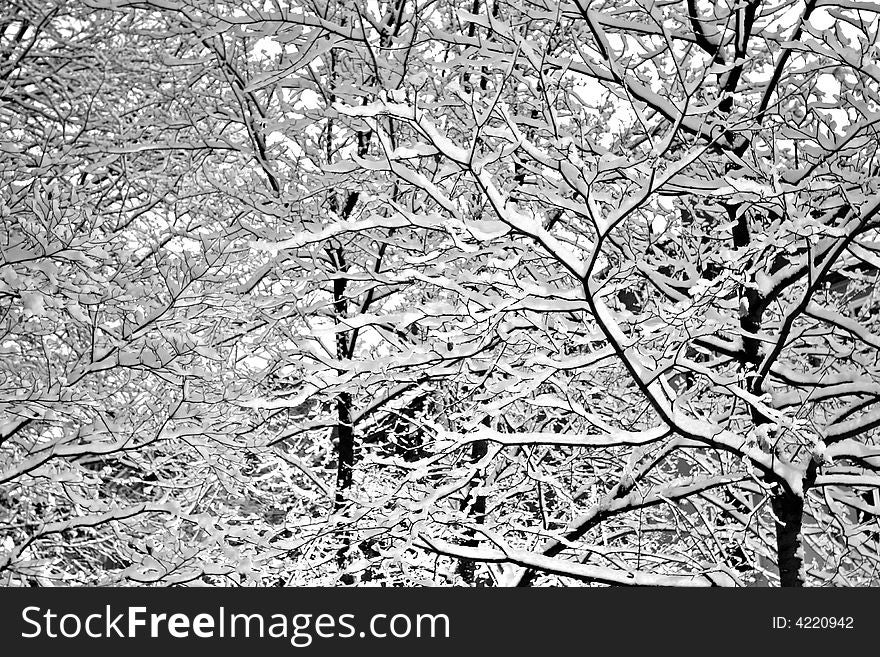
(484, 293)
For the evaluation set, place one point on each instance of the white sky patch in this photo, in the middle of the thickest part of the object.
(267, 48)
(658, 224)
(788, 19)
(783, 146)
(616, 41)
(821, 19)
(308, 99)
(436, 51)
(841, 120)
(590, 93)
(593, 94)
(828, 85)
(660, 221)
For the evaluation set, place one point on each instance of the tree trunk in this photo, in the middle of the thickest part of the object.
(789, 511)
(467, 568)
(344, 449)
(344, 427)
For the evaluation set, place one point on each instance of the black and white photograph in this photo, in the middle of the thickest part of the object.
(439, 294)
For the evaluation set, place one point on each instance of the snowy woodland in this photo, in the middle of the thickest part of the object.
(440, 292)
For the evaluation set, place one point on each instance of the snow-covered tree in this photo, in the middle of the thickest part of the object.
(493, 293)
(682, 203)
